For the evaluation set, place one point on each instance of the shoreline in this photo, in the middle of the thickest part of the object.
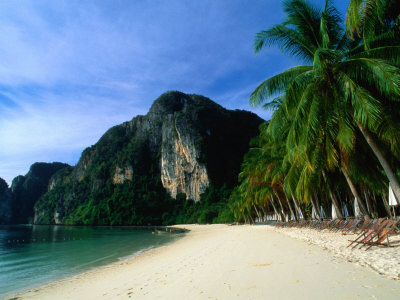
(222, 262)
(36, 286)
(58, 254)
(17, 294)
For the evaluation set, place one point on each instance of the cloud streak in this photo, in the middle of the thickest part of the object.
(71, 69)
(50, 130)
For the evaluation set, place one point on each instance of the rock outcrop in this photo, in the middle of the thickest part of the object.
(181, 170)
(122, 174)
(182, 146)
(5, 203)
(17, 202)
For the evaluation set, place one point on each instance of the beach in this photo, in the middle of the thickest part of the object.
(235, 262)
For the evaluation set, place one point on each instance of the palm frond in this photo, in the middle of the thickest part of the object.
(274, 104)
(374, 74)
(366, 108)
(354, 17)
(276, 85)
(303, 16)
(390, 54)
(288, 40)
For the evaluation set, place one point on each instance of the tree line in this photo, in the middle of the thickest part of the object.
(334, 135)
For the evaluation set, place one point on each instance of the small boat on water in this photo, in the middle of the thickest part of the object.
(168, 230)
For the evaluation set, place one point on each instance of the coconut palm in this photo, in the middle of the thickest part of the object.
(374, 20)
(342, 88)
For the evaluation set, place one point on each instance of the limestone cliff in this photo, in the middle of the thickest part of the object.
(181, 170)
(5, 203)
(122, 174)
(182, 146)
(17, 202)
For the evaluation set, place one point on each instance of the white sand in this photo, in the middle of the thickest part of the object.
(227, 262)
(384, 260)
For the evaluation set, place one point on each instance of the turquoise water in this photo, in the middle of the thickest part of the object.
(32, 255)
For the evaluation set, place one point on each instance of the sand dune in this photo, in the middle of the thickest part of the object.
(227, 262)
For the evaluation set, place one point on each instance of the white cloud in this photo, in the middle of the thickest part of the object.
(72, 69)
(49, 130)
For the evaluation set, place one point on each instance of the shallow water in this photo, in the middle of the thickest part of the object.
(32, 255)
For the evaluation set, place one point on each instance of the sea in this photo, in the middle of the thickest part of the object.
(31, 255)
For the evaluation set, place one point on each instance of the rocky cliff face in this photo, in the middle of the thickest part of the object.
(181, 170)
(5, 203)
(183, 145)
(17, 202)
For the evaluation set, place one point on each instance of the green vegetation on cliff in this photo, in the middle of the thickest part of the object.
(177, 164)
(17, 203)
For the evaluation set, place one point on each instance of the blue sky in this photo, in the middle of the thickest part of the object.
(69, 70)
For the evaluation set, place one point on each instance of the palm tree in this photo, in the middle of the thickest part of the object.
(343, 87)
(377, 23)
(374, 20)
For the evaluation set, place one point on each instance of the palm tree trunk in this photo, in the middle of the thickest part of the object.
(264, 213)
(283, 213)
(245, 219)
(300, 212)
(274, 207)
(374, 203)
(318, 205)
(336, 204)
(386, 204)
(251, 219)
(316, 209)
(394, 182)
(355, 192)
(291, 208)
(335, 201)
(258, 214)
(369, 205)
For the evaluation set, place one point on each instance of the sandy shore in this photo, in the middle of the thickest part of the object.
(384, 260)
(227, 262)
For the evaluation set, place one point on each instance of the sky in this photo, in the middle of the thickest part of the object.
(69, 70)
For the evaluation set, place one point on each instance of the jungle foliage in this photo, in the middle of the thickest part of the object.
(334, 135)
(88, 195)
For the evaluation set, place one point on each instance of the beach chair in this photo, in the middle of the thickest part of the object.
(363, 225)
(327, 224)
(337, 225)
(381, 235)
(367, 234)
(304, 223)
(367, 224)
(317, 224)
(356, 228)
(322, 225)
(342, 225)
(300, 223)
(348, 224)
(332, 224)
(366, 229)
(310, 224)
(351, 225)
